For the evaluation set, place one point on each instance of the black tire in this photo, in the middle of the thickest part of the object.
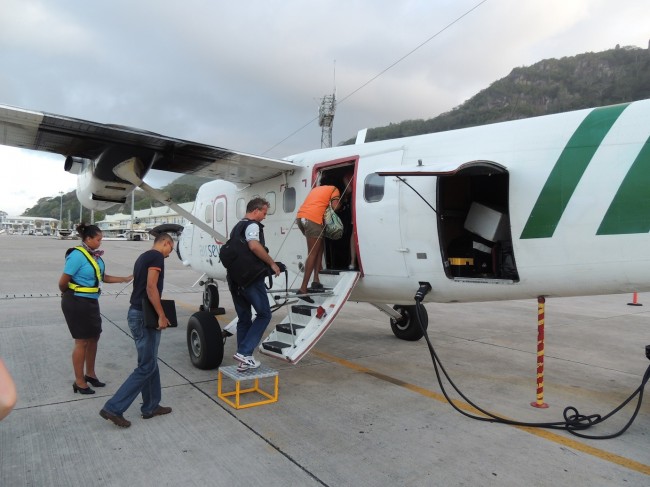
(210, 297)
(407, 327)
(204, 341)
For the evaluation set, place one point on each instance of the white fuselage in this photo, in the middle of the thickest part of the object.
(398, 238)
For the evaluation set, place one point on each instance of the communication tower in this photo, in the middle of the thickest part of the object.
(326, 119)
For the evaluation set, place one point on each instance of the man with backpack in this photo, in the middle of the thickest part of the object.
(250, 294)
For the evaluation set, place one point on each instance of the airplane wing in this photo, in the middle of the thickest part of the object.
(89, 140)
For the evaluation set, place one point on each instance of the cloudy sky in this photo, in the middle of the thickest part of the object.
(247, 75)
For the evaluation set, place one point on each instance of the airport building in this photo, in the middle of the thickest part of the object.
(27, 225)
(133, 226)
(136, 226)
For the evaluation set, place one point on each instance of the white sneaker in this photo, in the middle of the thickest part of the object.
(247, 360)
(252, 362)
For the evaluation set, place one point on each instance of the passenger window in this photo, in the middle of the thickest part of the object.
(289, 200)
(219, 211)
(208, 214)
(270, 197)
(373, 188)
(240, 209)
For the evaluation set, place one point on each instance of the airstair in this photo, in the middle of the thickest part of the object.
(305, 323)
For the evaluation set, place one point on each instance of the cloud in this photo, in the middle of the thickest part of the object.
(245, 75)
(27, 177)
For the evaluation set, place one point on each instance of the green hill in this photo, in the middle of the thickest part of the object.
(549, 86)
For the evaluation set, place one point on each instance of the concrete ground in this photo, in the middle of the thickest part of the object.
(363, 409)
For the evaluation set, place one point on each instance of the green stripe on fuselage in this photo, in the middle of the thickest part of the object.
(568, 170)
(630, 209)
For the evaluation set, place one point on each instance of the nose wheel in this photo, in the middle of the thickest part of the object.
(210, 297)
(407, 327)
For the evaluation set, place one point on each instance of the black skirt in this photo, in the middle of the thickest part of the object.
(81, 315)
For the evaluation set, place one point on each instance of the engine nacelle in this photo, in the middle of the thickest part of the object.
(95, 193)
(75, 165)
(98, 188)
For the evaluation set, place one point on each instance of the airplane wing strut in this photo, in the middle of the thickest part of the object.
(127, 171)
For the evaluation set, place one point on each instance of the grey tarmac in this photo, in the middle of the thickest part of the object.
(362, 409)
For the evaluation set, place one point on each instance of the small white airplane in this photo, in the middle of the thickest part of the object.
(548, 206)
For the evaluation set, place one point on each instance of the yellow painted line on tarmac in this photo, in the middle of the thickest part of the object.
(539, 432)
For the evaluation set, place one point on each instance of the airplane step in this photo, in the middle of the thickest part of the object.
(306, 323)
(275, 346)
(289, 328)
(303, 309)
(331, 272)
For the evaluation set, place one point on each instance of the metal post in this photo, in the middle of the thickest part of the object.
(61, 211)
(132, 208)
(539, 403)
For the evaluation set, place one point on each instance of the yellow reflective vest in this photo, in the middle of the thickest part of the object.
(98, 275)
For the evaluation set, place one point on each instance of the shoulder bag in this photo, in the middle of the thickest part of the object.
(333, 224)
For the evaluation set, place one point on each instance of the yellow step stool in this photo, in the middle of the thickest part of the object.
(262, 372)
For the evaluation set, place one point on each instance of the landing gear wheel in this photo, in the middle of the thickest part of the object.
(210, 297)
(204, 341)
(407, 327)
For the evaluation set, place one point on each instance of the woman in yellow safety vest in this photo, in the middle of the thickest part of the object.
(80, 289)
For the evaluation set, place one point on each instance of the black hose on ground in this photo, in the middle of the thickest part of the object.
(573, 422)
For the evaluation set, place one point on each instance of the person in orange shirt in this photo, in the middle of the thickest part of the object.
(310, 221)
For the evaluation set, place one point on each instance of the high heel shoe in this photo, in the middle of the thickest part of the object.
(94, 382)
(81, 390)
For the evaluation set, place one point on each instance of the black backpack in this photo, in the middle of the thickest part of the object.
(242, 265)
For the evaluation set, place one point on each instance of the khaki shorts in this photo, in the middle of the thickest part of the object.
(309, 228)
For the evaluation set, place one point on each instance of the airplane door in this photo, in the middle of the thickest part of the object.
(381, 252)
(418, 225)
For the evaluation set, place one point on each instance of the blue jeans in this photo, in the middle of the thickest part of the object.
(145, 378)
(249, 331)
